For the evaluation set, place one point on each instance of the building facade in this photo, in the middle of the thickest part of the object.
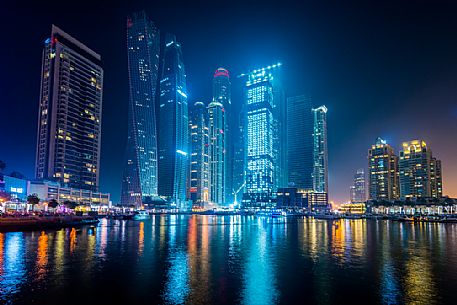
(436, 178)
(70, 113)
(238, 179)
(300, 142)
(222, 95)
(302, 199)
(420, 172)
(382, 172)
(261, 130)
(199, 160)
(320, 150)
(173, 125)
(139, 182)
(217, 152)
(358, 190)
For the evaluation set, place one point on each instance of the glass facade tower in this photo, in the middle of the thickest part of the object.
(300, 142)
(261, 131)
(199, 162)
(222, 95)
(382, 172)
(139, 183)
(320, 150)
(70, 113)
(217, 149)
(173, 125)
(358, 193)
(414, 168)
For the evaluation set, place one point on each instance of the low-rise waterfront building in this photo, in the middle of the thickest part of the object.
(302, 199)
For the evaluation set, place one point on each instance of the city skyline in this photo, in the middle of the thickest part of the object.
(394, 136)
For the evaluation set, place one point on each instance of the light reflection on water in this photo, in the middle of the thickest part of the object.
(233, 259)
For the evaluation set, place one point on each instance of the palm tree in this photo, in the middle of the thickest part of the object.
(33, 200)
(53, 204)
(70, 204)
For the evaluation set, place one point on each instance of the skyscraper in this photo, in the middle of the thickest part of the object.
(382, 172)
(414, 167)
(261, 129)
(300, 142)
(358, 193)
(70, 113)
(238, 180)
(436, 178)
(199, 165)
(139, 182)
(173, 125)
(222, 95)
(320, 150)
(217, 149)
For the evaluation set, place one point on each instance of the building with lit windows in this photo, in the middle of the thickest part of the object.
(48, 190)
(302, 199)
(382, 172)
(261, 131)
(238, 181)
(300, 142)
(358, 190)
(70, 113)
(436, 178)
(420, 173)
(320, 150)
(222, 95)
(173, 126)
(199, 160)
(217, 156)
(139, 181)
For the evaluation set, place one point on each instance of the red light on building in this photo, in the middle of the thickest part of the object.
(221, 72)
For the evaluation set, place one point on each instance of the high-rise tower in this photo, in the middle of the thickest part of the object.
(199, 162)
(70, 113)
(139, 183)
(358, 193)
(261, 135)
(217, 149)
(173, 125)
(320, 150)
(300, 142)
(382, 172)
(224, 152)
(414, 169)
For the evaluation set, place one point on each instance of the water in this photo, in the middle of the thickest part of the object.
(231, 260)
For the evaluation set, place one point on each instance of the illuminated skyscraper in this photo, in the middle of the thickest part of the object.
(222, 95)
(420, 173)
(199, 165)
(217, 157)
(139, 183)
(261, 131)
(382, 172)
(358, 193)
(436, 178)
(238, 180)
(70, 113)
(173, 125)
(300, 142)
(320, 150)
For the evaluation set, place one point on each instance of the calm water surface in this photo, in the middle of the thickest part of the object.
(232, 260)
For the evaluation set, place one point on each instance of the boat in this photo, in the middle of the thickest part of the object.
(327, 216)
(141, 215)
(276, 214)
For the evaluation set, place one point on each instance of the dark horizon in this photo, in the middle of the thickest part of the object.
(382, 69)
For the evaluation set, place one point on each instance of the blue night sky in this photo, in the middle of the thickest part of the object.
(383, 69)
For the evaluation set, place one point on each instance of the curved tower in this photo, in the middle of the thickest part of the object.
(139, 183)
